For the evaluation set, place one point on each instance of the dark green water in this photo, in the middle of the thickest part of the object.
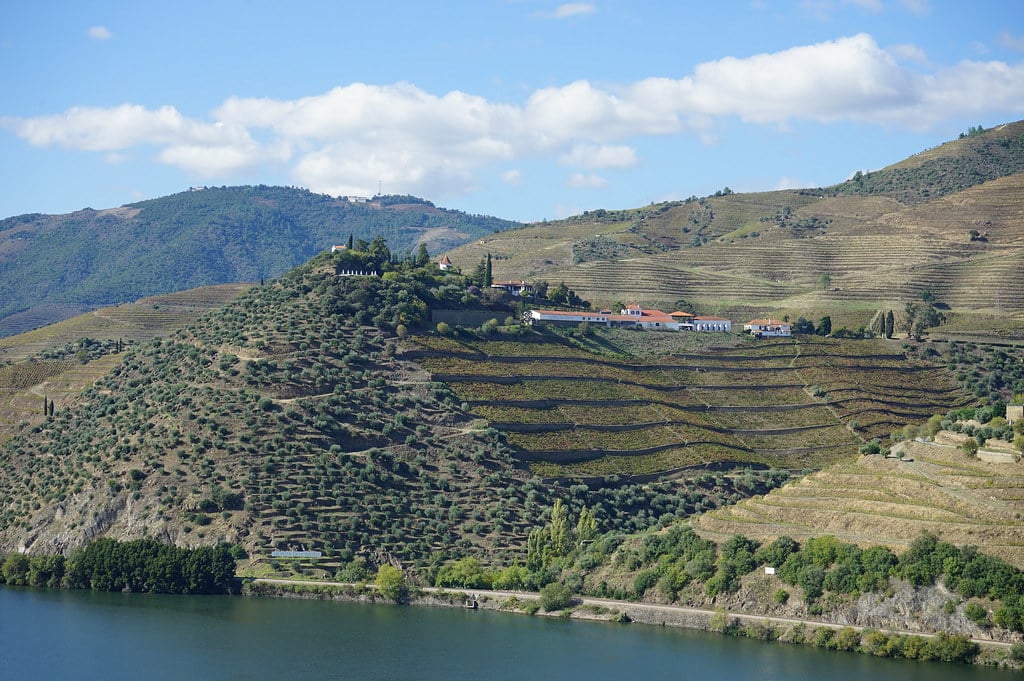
(82, 635)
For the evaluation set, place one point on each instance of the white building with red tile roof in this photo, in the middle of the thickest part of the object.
(768, 328)
(445, 264)
(516, 288)
(632, 317)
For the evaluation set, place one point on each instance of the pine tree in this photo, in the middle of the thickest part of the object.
(479, 276)
(422, 256)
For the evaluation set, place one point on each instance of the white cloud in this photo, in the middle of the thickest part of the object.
(350, 138)
(587, 181)
(572, 9)
(511, 176)
(100, 33)
(604, 156)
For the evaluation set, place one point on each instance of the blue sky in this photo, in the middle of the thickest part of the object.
(523, 109)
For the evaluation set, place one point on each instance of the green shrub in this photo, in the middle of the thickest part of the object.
(555, 596)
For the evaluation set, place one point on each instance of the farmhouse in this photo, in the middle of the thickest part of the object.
(631, 317)
(335, 249)
(516, 288)
(445, 264)
(765, 328)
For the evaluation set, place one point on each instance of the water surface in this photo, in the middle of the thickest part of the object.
(47, 635)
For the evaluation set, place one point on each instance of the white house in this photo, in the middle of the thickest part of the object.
(516, 288)
(632, 317)
(712, 324)
(766, 328)
(445, 264)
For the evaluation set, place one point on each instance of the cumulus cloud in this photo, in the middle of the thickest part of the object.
(511, 176)
(100, 33)
(350, 138)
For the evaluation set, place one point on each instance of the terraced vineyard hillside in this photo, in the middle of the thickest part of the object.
(575, 414)
(845, 251)
(876, 500)
(46, 363)
(285, 421)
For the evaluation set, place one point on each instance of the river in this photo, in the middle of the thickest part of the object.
(48, 635)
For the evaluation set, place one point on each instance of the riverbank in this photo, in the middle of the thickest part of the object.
(868, 640)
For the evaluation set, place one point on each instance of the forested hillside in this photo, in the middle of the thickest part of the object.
(55, 266)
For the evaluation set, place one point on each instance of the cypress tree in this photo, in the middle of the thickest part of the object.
(488, 278)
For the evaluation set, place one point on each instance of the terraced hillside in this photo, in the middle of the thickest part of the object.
(799, 404)
(45, 363)
(845, 251)
(285, 421)
(876, 500)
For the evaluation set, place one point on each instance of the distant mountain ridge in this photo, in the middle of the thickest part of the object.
(55, 266)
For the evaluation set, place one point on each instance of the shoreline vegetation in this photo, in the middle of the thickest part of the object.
(940, 646)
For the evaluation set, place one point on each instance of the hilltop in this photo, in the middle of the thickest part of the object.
(943, 223)
(53, 267)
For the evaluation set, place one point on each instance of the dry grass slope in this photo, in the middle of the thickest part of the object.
(875, 500)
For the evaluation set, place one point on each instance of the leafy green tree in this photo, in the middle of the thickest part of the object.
(465, 573)
(824, 327)
(15, 569)
(513, 577)
(803, 326)
(391, 583)
(559, 295)
(555, 596)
